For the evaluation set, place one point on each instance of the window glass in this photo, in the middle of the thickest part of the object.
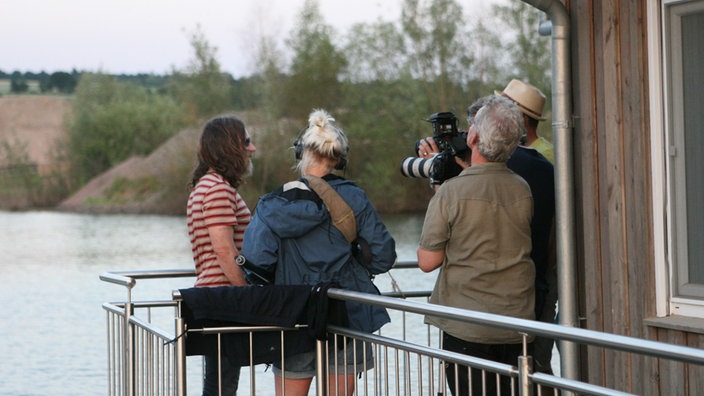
(693, 89)
(683, 31)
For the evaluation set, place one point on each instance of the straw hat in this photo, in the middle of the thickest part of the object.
(528, 98)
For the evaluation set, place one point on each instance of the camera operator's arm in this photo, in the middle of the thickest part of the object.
(428, 260)
(435, 234)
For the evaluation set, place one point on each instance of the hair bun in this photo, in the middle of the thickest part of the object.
(320, 118)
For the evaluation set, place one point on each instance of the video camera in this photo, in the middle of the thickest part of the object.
(451, 142)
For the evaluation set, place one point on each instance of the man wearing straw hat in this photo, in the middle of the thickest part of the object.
(531, 102)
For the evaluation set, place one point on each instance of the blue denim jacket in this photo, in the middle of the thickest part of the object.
(291, 234)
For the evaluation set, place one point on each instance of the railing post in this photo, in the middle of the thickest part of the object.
(525, 387)
(525, 364)
(320, 365)
(180, 357)
(128, 350)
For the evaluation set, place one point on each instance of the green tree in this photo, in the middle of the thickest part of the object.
(112, 121)
(18, 84)
(18, 173)
(529, 53)
(316, 67)
(487, 68)
(439, 48)
(62, 82)
(377, 51)
(270, 76)
(384, 107)
(202, 88)
(383, 120)
(274, 135)
(44, 84)
(21, 183)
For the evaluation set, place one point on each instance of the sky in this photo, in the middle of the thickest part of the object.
(152, 36)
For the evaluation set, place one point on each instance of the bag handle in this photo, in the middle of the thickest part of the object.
(340, 212)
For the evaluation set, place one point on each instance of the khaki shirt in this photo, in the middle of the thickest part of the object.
(482, 219)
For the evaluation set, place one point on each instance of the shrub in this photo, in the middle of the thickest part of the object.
(112, 121)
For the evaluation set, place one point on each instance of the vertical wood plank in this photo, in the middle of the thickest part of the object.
(636, 159)
(611, 191)
(673, 374)
(695, 372)
(586, 179)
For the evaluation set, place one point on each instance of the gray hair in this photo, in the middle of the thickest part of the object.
(499, 125)
(473, 109)
(321, 139)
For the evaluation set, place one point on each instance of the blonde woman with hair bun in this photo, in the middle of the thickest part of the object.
(322, 142)
(291, 234)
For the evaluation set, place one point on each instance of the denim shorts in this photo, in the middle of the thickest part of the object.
(302, 365)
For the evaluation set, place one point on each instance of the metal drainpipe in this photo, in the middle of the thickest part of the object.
(564, 179)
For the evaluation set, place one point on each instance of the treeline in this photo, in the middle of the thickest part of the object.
(380, 80)
(60, 81)
(65, 82)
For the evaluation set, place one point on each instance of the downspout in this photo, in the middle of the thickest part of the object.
(564, 178)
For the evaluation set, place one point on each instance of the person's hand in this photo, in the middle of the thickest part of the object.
(427, 148)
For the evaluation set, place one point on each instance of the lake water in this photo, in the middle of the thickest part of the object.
(52, 324)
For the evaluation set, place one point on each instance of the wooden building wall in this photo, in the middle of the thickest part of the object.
(613, 197)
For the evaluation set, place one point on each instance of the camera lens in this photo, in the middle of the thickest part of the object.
(417, 167)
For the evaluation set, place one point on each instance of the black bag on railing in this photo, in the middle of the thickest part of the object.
(247, 306)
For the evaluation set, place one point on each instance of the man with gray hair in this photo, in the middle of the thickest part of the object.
(477, 230)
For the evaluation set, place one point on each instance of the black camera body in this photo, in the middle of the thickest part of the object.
(451, 142)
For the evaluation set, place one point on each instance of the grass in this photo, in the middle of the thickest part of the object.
(123, 191)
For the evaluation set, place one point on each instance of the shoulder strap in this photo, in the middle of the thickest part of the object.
(340, 212)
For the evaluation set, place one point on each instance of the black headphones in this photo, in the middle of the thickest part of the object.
(298, 152)
(298, 145)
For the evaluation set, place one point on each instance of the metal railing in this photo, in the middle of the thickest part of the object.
(144, 360)
(141, 358)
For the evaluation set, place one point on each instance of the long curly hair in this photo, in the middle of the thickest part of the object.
(222, 149)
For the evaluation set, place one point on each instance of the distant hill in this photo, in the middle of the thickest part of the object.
(35, 120)
(153, 184)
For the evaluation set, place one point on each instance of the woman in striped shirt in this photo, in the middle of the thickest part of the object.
(217, 216)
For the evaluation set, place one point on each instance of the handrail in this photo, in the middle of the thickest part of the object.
(127, 338)
(591, 337)
(475, 362)
(445, 355)
(121, 280)
(129, 278)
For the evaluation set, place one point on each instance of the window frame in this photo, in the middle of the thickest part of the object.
(668, 186)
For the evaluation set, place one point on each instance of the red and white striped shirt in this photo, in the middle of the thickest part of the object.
(213, 202)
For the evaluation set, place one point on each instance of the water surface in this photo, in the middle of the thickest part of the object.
(52, 325)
